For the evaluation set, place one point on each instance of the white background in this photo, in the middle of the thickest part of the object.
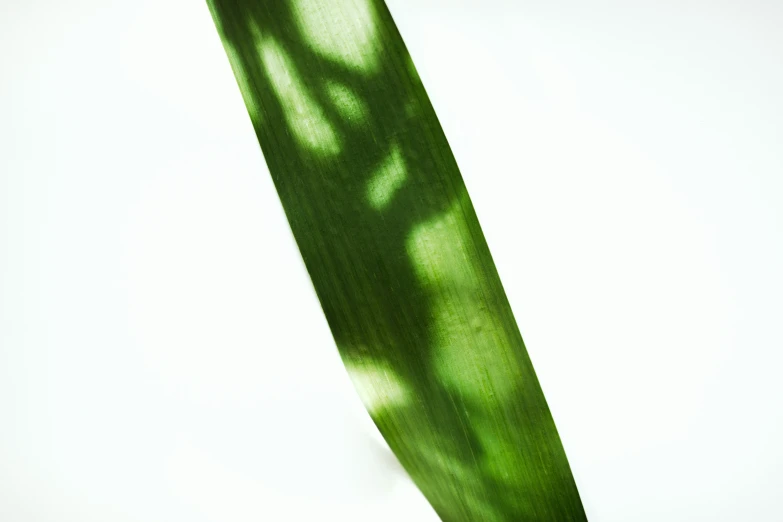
(163, 357)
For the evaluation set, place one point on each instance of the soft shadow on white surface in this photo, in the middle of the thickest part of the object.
(625, 162)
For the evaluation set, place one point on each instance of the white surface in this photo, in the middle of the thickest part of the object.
(625, 161)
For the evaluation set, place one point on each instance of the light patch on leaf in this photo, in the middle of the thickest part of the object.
(471, 348)
(439, 249)
(341, 30)
(472, 351)
(387, 179)
(352, 108)
(378, 385)
(304, 116)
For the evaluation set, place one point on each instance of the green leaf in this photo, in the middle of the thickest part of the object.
(397, 257)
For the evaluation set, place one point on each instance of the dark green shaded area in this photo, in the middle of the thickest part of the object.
(396, 255)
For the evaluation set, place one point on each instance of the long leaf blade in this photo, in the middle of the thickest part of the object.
(395, 252)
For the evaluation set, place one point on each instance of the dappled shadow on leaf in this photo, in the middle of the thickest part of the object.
(397, 258)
